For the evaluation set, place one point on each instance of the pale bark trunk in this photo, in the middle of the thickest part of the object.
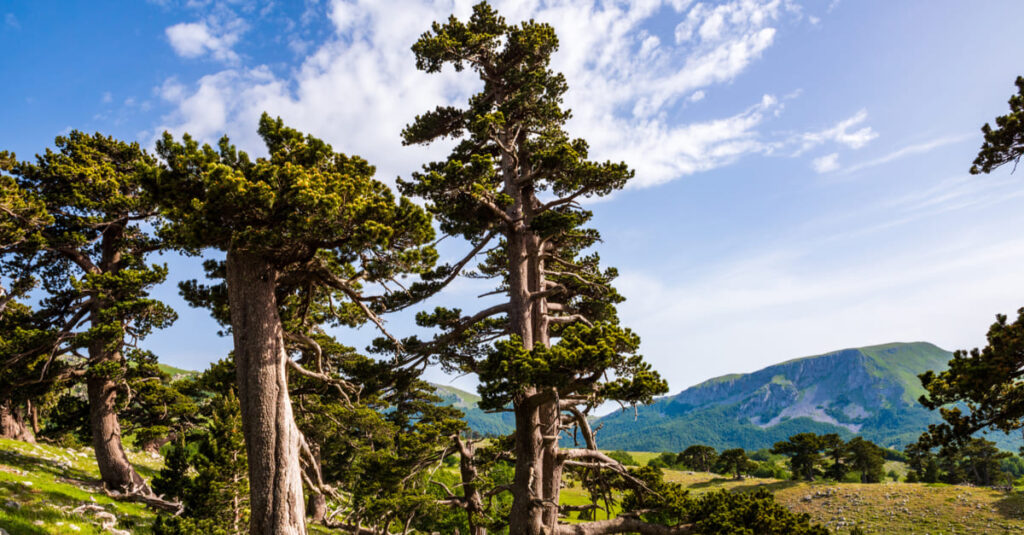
(272, 439)
(33, 413)
(474, 502)
(317, 501)
(116, 470)
(12, 423)
(317, 508)
(537, 479)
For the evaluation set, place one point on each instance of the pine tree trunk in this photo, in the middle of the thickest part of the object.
(33, 413)
(12, 423)
(537, 479)
(271, 436)
(526, 516)
(116, 471)
(474, 502)
(317, 501)
(153, 446)
(317, 508)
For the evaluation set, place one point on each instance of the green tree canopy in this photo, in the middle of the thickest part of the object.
(1004, 143)
(308, 235)
(552, 350)
(804, 452)
(78, 220)
(980, 389)
(698, 457)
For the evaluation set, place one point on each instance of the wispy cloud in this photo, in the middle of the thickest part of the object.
(842, 133)
(827, 163)
(909, 150)
(744, 312)
(359, 88)
(11, 21)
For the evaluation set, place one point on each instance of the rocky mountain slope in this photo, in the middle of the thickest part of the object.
(870, 391)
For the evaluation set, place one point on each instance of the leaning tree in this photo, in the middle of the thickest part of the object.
(1004, 143)
(307, 233)
(987, 382)
(552, 349)
(87, 241)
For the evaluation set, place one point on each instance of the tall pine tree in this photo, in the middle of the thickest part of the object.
(552, 349)
(305, 232)
(80, 226)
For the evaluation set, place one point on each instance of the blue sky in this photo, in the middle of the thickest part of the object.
(801, 167)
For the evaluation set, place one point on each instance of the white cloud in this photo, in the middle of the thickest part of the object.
(107, 97)
(697, 96)
(11, 21)
(196, 39)
(827, 163)
(917, 148)
(744, 313)
(360, 87)
(840, 133)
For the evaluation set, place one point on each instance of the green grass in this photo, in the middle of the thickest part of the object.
(897, 508)
(41, 485)
(177, 372)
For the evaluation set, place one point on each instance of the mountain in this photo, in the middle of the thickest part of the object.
(485, 423)
(869, 391)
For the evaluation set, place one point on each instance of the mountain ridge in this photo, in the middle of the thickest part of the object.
(870, 391)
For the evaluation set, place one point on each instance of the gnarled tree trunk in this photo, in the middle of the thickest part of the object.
(116, 471)
(272, 439)
(12, 423)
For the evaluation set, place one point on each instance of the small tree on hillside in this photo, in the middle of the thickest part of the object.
(867, 458)
(698, 457)
(735, 461)
(22, 341)
(804, 452)
(836, 451)
(206, 471)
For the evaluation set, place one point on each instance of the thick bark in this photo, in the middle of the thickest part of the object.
(272, 439)
(12, 423)
(526, 515)
(474, 502)
(317, 508)
(116, 471)
(33, 413)
(537, 479)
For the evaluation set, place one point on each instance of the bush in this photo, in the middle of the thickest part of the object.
(623, 457)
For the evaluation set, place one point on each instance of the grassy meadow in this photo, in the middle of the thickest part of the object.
(43, 490)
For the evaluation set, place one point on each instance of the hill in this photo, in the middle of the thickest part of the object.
(869, 391)
(485, 423)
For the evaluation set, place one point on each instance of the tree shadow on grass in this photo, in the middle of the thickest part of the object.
(1011, 505)
(773, 487)
(31, 463)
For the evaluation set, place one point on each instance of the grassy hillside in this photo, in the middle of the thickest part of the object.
(884, 507)
(42, 486)
(889, 508)
(485, 423)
